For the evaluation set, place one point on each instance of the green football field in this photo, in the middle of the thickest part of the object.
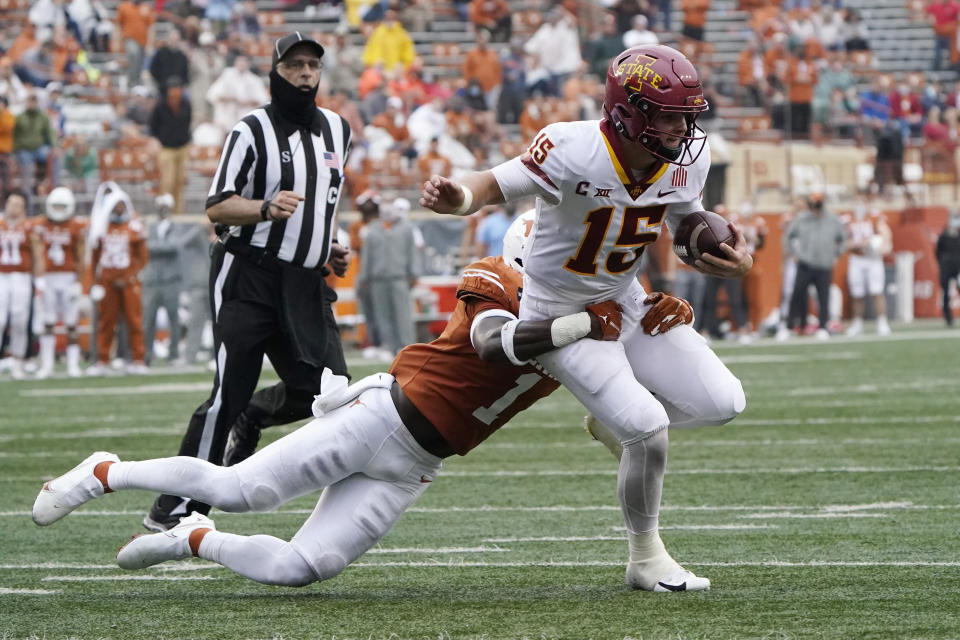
(829, 509)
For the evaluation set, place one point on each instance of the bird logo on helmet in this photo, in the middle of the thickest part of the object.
(646, 81)
(516, 237)
(60, 204)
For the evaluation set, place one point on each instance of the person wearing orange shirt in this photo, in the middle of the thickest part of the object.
(135, 20)
(19, 258)
(492, 15)
(119, 256)
(433, 162)
(62, 238)
(483, 65)
(801, 79)
(694, 18)
(7, 122)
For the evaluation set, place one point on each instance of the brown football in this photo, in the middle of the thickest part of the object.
(702, 232)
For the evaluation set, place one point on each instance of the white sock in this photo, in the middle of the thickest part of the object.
(181, 476)
(73, 356)
(649, 559)
(48, 345)
(266, 559)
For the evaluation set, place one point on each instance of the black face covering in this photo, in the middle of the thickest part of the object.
(293, 104)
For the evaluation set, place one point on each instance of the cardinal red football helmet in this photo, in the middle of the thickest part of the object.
(645, 81)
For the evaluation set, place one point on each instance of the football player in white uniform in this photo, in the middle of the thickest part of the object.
(870, 239)
(603, 189)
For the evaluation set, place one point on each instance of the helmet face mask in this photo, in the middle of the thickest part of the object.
(645, 86)
(60, 205)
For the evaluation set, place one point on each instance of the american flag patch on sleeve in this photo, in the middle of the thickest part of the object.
(330, 159)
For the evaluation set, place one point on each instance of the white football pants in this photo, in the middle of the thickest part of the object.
(636, 387)
(60, 300)
(370, 469)
(865, 275)
(15, 294)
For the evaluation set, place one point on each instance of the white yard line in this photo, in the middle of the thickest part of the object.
(688, 472)
(131, 390)
(438, 549)
(908, 506)
(6, 591)
(124, 578)
(748, 563)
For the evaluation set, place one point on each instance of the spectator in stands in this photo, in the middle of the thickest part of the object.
(389, 43)
(82, 164)
(776, 61)
(605, 44)
(639, 33)
(25, 40)
(835, 76)
(817, 238)
(206, 65)
(162, 278)
(93, 23)
(344, 64)
(389, 269)
(135, 22)
(431, 162)
(624, 10)
(906, 109)
(801, 26)
(236, 92)
(45, 15)
(694, 18)
(856, 35)
(801, 79)
(170, 124)
(373, 100)
(493, 16)
(482, 64)
(7, 123)
(34, 142)
(513, 90)
(843, 114)
(948, 260)
(169, 61)
(389, 131)
(417, 16)
(219, 13)
(889, 159)
(372, 78)
(829, 28)
(11, 86)
(875, 103)
(556, 46)
(428, 122)
(141, 103)
(943, 16)
(246, 20)
(751, 79)
(37, 64)
(936, 134)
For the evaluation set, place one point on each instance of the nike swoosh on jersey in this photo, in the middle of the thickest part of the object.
(662, 193)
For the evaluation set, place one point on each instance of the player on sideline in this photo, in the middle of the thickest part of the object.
(376, 448)
(603, 189)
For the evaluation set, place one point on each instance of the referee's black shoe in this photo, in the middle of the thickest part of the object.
(242, 440)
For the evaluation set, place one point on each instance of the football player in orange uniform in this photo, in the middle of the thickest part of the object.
(19, 257)
(374, 449)
(119, 255)
(62, 236)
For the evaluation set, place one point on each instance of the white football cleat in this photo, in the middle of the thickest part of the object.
(154, 548)
(62, 495)
(679, 579)
(98, 369)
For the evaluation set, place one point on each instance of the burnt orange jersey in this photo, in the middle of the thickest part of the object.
(15, 246)
(122, 249)
(60, 243)
(464, 397)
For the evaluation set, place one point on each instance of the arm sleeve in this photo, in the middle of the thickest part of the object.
(237, 161)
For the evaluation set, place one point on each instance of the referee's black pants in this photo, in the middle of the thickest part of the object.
(246, 308)
(820, 278)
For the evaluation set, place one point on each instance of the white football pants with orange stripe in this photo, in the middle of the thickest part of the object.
(366, 462)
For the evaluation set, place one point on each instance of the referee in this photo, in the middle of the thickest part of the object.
(276, 189)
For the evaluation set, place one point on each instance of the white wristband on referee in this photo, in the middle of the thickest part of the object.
(568, 329)
(464, 207)
(506, 339)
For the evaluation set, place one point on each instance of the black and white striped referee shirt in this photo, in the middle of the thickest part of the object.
(264, 155)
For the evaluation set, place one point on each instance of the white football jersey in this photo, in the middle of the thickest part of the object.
(594, 216)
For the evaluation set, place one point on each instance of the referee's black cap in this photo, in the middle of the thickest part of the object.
(284, 44)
